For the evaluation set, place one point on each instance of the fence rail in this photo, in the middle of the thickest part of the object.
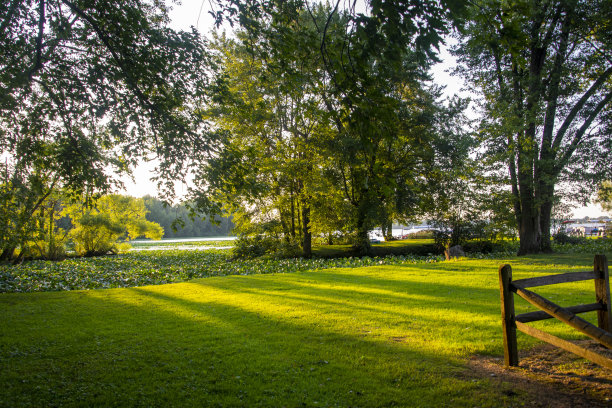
(510, 322)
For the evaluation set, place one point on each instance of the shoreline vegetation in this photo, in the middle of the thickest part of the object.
(155, 267)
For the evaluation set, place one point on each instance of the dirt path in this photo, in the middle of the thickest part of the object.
(549, 377)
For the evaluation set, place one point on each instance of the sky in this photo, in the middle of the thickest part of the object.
(195, 13)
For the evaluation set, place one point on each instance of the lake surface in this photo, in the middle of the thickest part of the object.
(176, 240)
(179, 247)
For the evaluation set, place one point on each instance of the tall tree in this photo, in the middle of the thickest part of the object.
(387, 139)
(270, 111)
(543, 68)
(329, 107)
(86, 87)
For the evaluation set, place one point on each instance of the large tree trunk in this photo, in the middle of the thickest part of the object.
(530, 234)
(528, 168)
(546, 196)
(362, 242)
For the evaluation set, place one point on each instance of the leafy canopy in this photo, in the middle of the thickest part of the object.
(112, 218)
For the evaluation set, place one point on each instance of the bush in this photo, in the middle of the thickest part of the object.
(425, 234)
(562, 238)
(98, 230)
(261, 245)
(483, 247)
(336, 239)
(51, 250)
(291, 249)
(253, 247)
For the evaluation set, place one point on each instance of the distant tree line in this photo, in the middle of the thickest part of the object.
(178, 222)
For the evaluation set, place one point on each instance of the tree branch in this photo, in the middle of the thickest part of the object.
(580, 133)
(39, 38)
(553, 89)
(551, 28)
(578, 106)
(121, 64)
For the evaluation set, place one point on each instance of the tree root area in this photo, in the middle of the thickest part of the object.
(549, 377)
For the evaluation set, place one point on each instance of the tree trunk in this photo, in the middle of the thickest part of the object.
(529, 171)
(362, 244)
(292, 214)
(7, 254)
(545, 215)
(306, 235)
(19, 259)
(530, 234)
(387, 230)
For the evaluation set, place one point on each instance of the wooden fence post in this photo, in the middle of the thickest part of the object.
(602, 292)
(507, 310)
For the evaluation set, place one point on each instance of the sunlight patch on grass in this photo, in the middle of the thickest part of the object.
(369, 336)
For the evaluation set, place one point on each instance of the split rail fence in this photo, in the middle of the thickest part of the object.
(511, 322)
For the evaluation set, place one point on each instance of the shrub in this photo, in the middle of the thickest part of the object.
(562, 238)
(254, 246)
(483, 247)
(424, 234)
(99, 229)
(48, 249)
(287, 249)
(333, 239)
(251, 247)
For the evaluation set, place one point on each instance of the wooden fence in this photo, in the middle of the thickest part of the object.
(550, 310)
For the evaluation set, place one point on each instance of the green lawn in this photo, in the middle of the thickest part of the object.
(377, 336)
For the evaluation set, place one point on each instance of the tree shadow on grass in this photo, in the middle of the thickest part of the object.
(193, 344)
(318, 338)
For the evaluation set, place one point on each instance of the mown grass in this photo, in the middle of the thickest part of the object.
(391, 335)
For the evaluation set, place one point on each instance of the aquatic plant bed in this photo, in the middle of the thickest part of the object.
(377, 336)
(163, 266)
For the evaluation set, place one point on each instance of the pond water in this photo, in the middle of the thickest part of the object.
(178, 240)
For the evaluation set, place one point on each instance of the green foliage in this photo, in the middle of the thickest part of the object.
(87, 89)
(29, 221)
(254, 247)
(112, 218)
(459, 214)
(543, 71)
(175, 245)
(425, 234)
(604, 196)
(328, 125)
(587, 246)
(458, 234)
(561, 238)
(260, 245)
(138, 268)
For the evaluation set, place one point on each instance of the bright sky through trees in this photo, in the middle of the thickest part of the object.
(195, 13)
